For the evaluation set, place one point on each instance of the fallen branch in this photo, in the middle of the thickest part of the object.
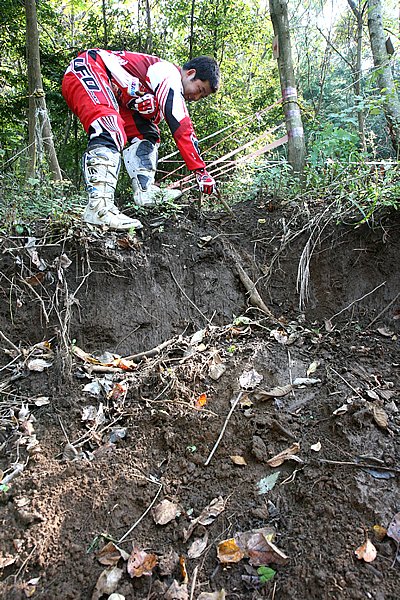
(5, 338)
(254, 297)
(383, 311)
(150, 353)
(145, 512)
(358, 300)
(223, 429)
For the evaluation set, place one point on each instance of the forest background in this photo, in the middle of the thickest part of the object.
(354, 165)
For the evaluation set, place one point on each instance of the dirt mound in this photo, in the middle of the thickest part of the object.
(214, 381)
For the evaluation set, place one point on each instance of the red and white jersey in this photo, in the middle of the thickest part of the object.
(131, 72)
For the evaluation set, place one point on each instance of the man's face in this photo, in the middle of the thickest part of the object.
(194, 89)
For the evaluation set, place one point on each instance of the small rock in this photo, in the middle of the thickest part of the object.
(259, 448)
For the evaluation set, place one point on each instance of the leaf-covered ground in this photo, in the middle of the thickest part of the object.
(199, 440)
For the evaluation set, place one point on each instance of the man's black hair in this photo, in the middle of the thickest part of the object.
(207, 69)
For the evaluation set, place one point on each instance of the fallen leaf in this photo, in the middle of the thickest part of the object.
(177, 591)
(207, 516)
(29, 587)
(7, 560)
(201, 401)
(110, 554)
(125, 243)
(197, 337)
(282, 337)
(107, 583)
(267, 483)
(312, 368)
(394, 528)
(316, 447)
(229, 552)
(216, 371)
(198, 546)
(299, 381)
(341, 410)
(250, 379)
(379, 532)
(266, 574)
(124, 364)
(42, 401)
(287, 454)
(262, 551)
(84, 356)
(38, 364)
(184, 573)
(276, 392)
(238, 460)
(329, 327)
(385, 331)
(212, 595)
(380, 417)
(140, 563)
(257, 545)
(366, 552)
(35, 279)
(119, 390)
(165, 512)
(372, 394)
(245, 401)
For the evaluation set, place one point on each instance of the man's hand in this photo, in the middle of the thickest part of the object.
(205, 182)
(146, 105)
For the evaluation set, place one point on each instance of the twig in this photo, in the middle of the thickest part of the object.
(5, 338)
(150, 353)
(46, 316)
(346, 382)
(383, 311)
(358, 300)
(194, 582)
(359, 465)
(223, 429)
(187, 298)
(145, 512)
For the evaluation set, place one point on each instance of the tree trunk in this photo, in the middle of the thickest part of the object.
(149, 37)
(40, 134)
(391, 104)
(191, 37)
(359, 14)
(105, 31)
(294, 125)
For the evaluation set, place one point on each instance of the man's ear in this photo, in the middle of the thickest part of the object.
(191, 73)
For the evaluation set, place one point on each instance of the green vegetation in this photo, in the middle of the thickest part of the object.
(356, 174)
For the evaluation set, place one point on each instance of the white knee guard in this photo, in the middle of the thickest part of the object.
(140, 160)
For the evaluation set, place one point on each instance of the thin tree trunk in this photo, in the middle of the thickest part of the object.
(149, 38)
(294, 125)
(359, 14)
(191, 38)
(105, 31)
(40, 134)
(391, 103)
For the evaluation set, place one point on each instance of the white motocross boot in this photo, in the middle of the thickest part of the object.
(140, 160)
(100, 169)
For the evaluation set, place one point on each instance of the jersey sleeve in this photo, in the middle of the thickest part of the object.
(128, 84)
(165, 81)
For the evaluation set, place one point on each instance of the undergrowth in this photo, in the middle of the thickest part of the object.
(355, 187)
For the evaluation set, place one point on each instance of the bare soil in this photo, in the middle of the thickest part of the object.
(84, 482)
